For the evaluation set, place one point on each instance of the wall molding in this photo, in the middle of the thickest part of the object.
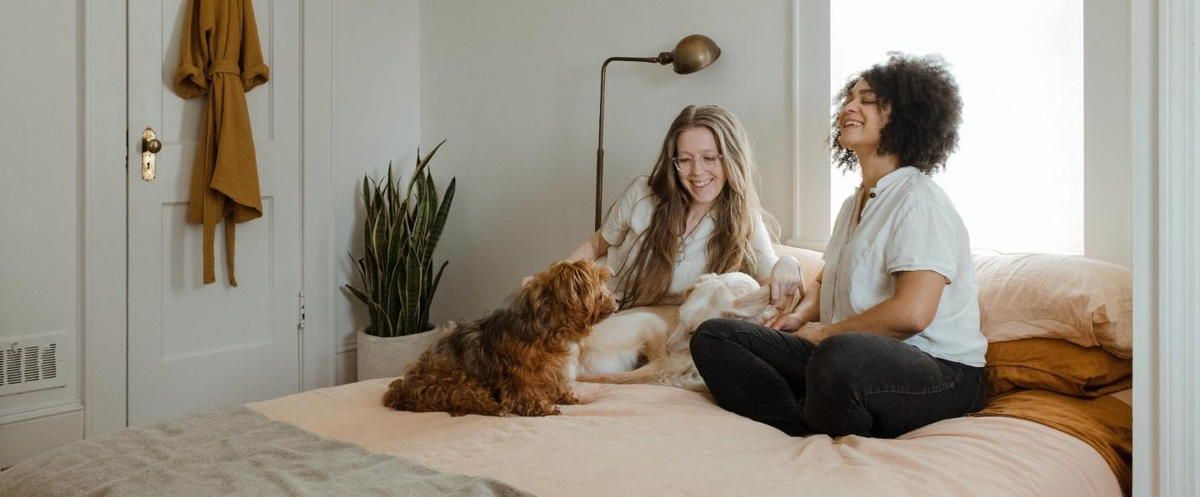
(29, 413)
(809, 118)
(1177, 436)
(21, 440)
(1107, 135)
(318, 349)
(105, 307)
(1143, 108)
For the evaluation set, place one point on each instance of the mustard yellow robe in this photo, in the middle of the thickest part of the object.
(221, 59)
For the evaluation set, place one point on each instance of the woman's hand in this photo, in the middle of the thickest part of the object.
(785, 281)
(813, 332)
(786, 322)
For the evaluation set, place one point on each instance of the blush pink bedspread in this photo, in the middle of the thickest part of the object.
(660, 441)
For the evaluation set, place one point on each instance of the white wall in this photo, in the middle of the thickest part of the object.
(514, 87)
(41, 184)
(375, 119)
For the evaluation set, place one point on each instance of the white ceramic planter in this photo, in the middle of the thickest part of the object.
(380, 357)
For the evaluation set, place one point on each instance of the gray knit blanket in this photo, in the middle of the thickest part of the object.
(232, 451)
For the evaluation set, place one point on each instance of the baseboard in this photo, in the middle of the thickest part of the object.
(24, 439)
(29, 413)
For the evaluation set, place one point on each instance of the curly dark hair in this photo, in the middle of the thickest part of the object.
(925, 112)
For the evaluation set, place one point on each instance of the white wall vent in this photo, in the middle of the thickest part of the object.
(31, 363)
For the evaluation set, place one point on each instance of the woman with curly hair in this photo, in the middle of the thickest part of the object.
(889, 341)
(696, 213)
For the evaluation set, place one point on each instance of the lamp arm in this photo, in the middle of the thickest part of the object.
(662, 58)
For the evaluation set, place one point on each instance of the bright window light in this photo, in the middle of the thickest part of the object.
(1017, 178)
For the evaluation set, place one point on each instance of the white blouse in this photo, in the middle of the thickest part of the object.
(908, 224)
(630, 217)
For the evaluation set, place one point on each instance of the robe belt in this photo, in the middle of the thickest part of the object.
(224, 66)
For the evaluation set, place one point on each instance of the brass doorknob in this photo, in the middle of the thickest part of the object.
(150, 143)
(150, 146)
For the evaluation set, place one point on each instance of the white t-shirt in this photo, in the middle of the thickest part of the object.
(908, 224)
(631, 216)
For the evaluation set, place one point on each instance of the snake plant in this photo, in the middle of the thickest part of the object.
(399, 234)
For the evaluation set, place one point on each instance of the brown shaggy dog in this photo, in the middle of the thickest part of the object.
(511, 362)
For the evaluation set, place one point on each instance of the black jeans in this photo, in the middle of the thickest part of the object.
(850, 384)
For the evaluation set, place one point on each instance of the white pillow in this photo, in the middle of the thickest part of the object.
(1084, 301)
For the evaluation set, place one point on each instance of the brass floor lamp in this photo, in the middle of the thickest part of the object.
(691, 54)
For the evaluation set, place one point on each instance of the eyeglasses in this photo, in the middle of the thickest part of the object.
(687, 164)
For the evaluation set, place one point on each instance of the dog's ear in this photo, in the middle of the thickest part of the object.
(603, 272)
(567, 279)
(750, 305)
(570, 294)
(567, 283)
(534, 293)
(546, 283)
(544, 313)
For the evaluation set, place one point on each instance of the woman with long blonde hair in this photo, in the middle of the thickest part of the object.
(697, 212)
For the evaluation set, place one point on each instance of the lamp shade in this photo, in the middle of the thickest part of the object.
(693, 53)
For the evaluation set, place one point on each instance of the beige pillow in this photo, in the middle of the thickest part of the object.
(1084, 301)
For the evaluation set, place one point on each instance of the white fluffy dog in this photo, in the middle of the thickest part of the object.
(662, 334)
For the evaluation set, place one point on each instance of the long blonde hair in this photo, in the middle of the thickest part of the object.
(647, 278)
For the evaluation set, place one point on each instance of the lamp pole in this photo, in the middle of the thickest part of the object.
(691, 54)
(600, 145)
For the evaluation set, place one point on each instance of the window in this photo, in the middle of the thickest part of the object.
(1018, 176)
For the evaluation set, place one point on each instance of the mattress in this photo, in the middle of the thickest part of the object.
(664, 441)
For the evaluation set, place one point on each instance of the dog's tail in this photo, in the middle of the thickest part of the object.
(668, 371)
(662, 371)
(649, 373)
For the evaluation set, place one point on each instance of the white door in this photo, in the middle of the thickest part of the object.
(194, 346)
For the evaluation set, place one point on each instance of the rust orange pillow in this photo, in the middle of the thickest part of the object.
(1057, 366)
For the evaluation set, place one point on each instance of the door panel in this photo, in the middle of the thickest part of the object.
(194, 346)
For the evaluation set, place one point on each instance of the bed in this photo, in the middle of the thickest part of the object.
(1042, 437)
(623, 440)
(664, 441)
